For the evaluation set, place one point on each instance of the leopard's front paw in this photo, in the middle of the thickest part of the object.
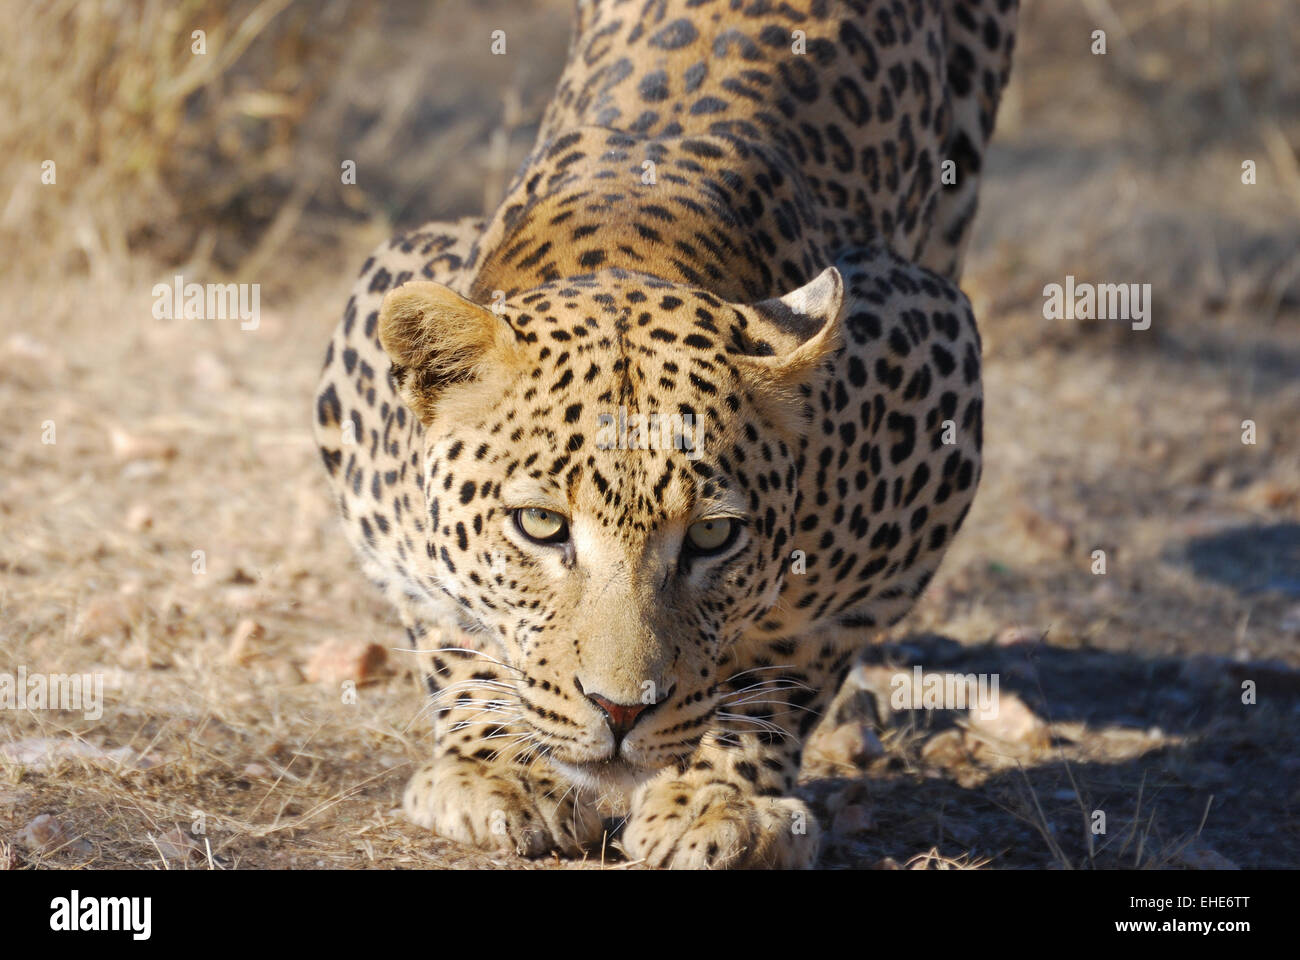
(681, 825)
(496, 806)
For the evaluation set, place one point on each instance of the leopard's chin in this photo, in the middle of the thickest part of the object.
(611, 782)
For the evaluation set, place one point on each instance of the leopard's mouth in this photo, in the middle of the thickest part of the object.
(612, 781)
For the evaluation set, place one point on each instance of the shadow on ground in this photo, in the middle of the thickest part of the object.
(1186, 762)
(1251, 560)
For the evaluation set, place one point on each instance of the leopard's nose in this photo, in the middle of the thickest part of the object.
(621, 717)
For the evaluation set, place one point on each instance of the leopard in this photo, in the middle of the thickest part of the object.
(647, 457)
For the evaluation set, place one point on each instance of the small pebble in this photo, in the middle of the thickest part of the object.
(338, 660)
(1010, 721)
(139, 518)
(42, 834)
(177, 847)
(128, 446)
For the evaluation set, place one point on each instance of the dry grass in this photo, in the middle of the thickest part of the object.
(1123, 168)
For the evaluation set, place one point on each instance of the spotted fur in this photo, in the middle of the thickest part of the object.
(755, 240)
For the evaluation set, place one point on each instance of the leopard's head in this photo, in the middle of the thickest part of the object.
(611, 471)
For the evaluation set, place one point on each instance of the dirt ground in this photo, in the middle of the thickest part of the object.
(225, 740)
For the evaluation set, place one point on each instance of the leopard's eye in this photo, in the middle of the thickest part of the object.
(541, 525)
(710, 536)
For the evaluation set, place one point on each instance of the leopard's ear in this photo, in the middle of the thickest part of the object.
(789, 338)
(437, 339)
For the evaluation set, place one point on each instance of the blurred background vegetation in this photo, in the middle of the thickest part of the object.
(221, 159)
(231, 159)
